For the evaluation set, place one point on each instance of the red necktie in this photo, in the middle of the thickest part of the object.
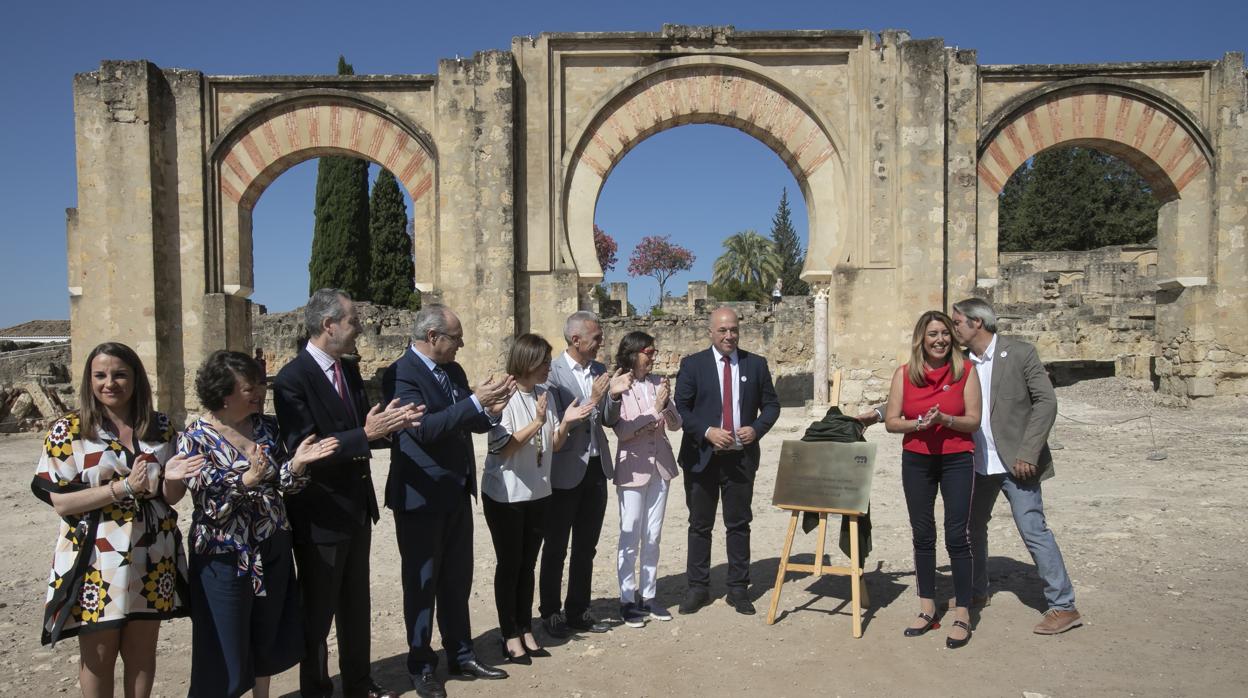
(340, 384)
(727, 394)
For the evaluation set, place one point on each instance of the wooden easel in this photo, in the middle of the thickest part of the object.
(858, 587)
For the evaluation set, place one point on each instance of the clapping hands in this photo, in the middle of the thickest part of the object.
(576, 412)
(619, 383)
(382, 422)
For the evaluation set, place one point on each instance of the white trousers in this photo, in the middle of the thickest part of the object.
(641, 528)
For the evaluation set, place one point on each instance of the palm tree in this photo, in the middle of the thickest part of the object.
(748, 258)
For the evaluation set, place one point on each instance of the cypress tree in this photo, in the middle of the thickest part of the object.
(340, 248)
(1075, 199)
(792, 256)
(392, 278)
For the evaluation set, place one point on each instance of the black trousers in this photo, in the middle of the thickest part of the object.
(436, 552)
(726, 476)
(577, 514)
(334, 583)
(954, 475)
(516, 529)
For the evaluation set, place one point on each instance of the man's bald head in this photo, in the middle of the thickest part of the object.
(725, 329)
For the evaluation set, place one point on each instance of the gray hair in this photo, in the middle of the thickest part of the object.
(430, 317)
(323, 304)
(978, 309)
(576, 322)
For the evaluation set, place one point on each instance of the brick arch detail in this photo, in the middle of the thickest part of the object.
(282, 132)
(1132, 126)
(289, 134)
(696, 91)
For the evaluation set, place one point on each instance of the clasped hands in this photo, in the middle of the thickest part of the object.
(723, 439)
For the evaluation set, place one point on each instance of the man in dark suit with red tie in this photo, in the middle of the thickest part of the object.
(320, 393)
(727, 403)
(433, 478)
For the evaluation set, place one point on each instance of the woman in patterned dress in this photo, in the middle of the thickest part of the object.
(245, 607)
(110, 472)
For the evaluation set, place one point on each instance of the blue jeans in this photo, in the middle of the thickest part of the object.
(1027, 505)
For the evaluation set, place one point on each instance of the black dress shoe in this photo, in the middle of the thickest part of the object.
(557, 626)
(428, 686)
(695, 598)
(473, 669)
(740, 602)
(510, 658)
(586, 623)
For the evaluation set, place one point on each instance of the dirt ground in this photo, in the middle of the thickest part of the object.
(1153, 547)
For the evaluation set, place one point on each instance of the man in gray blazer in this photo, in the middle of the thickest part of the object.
(578, 477)
(1012, 456)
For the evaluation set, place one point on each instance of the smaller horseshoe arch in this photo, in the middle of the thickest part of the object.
(278, 134)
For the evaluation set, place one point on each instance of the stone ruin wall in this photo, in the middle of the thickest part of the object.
(1084, 311)
(36, 386)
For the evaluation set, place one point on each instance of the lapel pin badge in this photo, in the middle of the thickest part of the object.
(1005, 354)
(742, 379)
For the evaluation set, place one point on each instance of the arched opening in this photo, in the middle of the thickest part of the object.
(724, 93)
(1094, 309)
(272, 139)
(707, 91)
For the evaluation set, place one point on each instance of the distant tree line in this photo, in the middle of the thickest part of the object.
(1075, 199)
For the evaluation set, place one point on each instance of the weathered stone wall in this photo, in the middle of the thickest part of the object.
(387, 332)
(782, 336)
(899, 146)
(36, 386)
(1094, 306)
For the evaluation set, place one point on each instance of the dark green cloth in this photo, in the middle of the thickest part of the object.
(843, 429)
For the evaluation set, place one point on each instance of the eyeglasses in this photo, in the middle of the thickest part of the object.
(455, 338)
(648, 351)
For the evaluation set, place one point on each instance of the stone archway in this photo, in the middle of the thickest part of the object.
(1159, 139)
(1129, 121)
(277, 135)
(725, 92)
(706, 91)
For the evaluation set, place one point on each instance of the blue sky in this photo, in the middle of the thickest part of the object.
(697, 183)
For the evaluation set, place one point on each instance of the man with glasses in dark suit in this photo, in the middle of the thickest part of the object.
(433, 476)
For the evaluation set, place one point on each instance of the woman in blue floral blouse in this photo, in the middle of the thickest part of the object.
(109, 471)
(244, 602)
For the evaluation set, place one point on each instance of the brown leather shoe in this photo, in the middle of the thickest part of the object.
(976, 602)
(1058, 621)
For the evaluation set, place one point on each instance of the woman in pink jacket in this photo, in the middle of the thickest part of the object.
(643, 466)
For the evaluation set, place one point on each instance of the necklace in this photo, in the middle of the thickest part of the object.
(530, 411)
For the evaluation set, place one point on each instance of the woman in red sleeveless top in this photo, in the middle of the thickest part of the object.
(935, 401)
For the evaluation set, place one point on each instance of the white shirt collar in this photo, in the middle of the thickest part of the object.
(992, 349)
(572, 364)
(732, 358)
(430, 363)
(325, 361)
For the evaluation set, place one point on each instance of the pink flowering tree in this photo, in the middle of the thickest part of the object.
(656, 256)
(606, 248)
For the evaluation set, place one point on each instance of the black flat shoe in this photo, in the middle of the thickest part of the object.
(510, 658)
(954, 644)
(931, 624)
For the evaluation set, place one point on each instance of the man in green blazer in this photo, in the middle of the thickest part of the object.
(1012, 455)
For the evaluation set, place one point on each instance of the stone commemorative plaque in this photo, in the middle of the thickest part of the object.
(825, 475)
